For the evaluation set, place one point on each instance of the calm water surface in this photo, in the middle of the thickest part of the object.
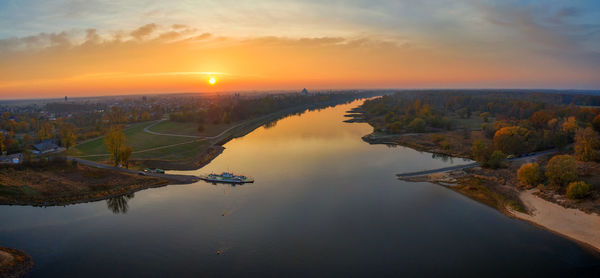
(324, 203)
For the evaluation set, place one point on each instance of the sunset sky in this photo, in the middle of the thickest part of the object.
(82, 48)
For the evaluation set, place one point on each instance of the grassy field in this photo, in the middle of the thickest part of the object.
(170, 127)
(138, 140)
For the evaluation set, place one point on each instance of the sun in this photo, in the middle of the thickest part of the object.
(212, 81)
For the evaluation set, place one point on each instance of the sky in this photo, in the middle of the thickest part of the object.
(52, 48)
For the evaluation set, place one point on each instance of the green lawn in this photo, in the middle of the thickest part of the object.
(189, 128)
(138, 140)
(179, 152)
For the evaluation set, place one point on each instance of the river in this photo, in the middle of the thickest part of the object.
(324, 204)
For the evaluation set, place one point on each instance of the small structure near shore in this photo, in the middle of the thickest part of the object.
(16, 158)
(45, 146)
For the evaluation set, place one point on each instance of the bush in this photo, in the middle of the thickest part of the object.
(417, 125)
(496, 159)
(437, 138)
(445, 145)
(529, 174)
(578, 190)
(561, 170)
(480, 151)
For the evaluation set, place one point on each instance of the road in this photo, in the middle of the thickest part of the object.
(147, 130)
(180, 179)
(529, 158)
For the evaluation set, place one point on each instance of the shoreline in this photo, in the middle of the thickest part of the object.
(14, 262)
(202, 159)
(560, 220)
(216, 145)
(570, 223)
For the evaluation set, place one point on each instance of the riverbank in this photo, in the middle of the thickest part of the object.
(572, 223)
(67, 183)
(214, 147)
(500, 189)
(14, 263)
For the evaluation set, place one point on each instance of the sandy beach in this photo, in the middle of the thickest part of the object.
(569, 222)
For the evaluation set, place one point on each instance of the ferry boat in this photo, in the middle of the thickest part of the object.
(226, 177)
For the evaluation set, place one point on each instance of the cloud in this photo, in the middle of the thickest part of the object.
(564, 13)
(144, 31)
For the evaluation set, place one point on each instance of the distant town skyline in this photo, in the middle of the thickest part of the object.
(90, 48)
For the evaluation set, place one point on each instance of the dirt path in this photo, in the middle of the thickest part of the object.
(529, 158)
(179, 179)
(569, 222)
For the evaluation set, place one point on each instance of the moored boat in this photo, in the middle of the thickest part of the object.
(226, 177)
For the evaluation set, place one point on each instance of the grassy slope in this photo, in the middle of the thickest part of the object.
(190, 128)
(136, 138)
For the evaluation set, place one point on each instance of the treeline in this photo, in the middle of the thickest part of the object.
(522, 121)
(229, 109)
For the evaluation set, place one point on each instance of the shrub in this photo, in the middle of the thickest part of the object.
(561, 170)
(480, 151)
(445, 145)
(578, 190)
(417, 125)
(496, 159)
(437, 138)
(529, 174)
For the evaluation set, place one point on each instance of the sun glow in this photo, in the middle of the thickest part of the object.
(212, 81)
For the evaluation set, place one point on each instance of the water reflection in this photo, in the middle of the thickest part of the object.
(271, 124)
(324, 204)
(118, 205)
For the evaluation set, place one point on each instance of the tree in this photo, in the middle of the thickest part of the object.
(45, 131)
(480, 151)
(67, 135)
(145, 116)
(510, 139)
(570, 126)
(2, 146)
(578, 190)
(114, 141)
(417, 125)
(561, 170)
(485, 116)
(540, 119)
(586, 143)
(496, 159)
(596, 123)
(529, 174)
(124, 155)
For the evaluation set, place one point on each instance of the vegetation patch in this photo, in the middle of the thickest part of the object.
(14, 263)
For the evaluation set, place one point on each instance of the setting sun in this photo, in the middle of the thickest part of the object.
(212, 81)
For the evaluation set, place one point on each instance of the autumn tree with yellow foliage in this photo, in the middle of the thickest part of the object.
(586, 144)
(67, 135)
(115, 144)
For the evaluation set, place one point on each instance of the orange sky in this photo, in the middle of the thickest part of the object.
(160, 58)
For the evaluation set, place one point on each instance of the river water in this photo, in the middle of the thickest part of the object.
(324, 203)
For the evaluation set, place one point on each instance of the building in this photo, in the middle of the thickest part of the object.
(304, 92)
(16, 158)
(44, 147)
